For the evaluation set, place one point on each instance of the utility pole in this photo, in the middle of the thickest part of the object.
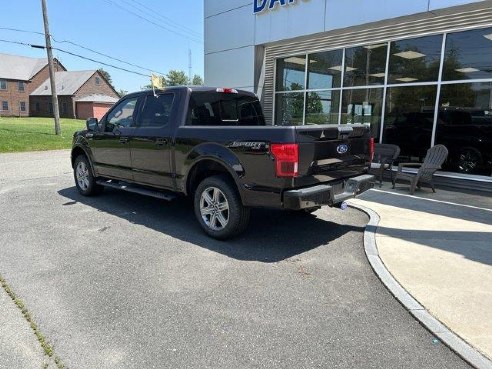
(189, 67)
(54, 97)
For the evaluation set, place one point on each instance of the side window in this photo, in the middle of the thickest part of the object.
(122, 115)
(156, 111)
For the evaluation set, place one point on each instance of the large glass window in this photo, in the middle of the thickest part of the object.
(289, 109)
(415, 60)
(325, 70)
(363, 106)
(365, 65)
(322, 107)
(311, 87)
(464, 126)
(410, 119)
(291, 73)
(468, 55)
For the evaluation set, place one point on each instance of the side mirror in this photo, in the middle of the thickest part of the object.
(92, 124)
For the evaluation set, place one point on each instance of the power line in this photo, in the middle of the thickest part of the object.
(76, 55)
(21, 30)
(85, 48)
(157, 15)
(105, 55)
(111, 2)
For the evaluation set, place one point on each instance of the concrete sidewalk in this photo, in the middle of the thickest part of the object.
(439, 248)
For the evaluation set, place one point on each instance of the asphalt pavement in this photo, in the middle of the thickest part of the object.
(125, 281)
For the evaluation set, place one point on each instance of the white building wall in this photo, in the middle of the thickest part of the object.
(232, 30)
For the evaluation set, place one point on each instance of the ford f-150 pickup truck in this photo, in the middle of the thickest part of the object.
(213, 144)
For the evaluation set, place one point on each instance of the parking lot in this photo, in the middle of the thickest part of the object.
(125, 281)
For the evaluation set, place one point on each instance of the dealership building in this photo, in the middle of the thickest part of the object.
(418, 72)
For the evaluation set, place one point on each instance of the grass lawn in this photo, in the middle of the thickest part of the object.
(36, 134)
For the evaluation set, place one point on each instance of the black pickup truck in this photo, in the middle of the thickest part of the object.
(213, 144)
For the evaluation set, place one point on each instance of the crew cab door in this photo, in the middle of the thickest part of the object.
(111, 147)
(152, 141)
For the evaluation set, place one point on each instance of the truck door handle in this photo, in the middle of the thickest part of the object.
(123, 140)
(161, 142)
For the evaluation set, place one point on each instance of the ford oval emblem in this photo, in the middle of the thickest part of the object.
(342, 149)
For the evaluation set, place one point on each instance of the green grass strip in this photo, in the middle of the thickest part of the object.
(47, 348)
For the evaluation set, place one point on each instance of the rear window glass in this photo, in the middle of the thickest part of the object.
(222, 109)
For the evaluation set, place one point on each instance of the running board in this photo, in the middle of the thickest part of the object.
(168, 196)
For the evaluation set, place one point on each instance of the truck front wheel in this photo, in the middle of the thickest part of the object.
(218, 208)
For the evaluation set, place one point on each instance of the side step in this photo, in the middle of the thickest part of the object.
(168, 196)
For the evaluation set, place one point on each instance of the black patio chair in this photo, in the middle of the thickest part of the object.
(432, 162)
(384, 157)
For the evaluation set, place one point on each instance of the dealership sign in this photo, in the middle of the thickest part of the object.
(261, 5)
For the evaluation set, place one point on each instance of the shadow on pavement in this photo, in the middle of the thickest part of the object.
(272, 235)
(468, 244)
(394, 198)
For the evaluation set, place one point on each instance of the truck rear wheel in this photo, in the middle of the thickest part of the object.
(218, 208)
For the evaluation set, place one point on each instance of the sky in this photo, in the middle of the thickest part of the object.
(113, 27)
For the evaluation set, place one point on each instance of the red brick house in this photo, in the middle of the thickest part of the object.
(19, 76)
(25, 90)
(81, 95)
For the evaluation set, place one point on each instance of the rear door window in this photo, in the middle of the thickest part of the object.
(156, 111)
(223, 109)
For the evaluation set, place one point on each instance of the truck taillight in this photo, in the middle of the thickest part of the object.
(371, 148)
(227, 90)
(286, 159)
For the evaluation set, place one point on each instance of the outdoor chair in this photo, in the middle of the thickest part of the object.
(384, 156)
(432, 162)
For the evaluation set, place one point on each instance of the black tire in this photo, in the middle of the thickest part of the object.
(84, 179)
(212, 215)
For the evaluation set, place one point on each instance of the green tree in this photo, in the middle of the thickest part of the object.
(122, 93)
(197, 80)
(106, 76)
(176, 78)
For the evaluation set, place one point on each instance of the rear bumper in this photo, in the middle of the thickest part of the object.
(325, 194)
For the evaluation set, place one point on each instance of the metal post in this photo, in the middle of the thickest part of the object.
(54, 97)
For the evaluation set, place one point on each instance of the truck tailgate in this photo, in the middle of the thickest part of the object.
(328, 153)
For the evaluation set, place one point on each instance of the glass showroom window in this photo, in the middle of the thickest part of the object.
(322, 107)
(291, 73)
(415, 60)
(363, 106)
(468, 55)
(365, 65)
(324, 75)
(291, 76)
(289, 109)
(325, 70)
(409, 119)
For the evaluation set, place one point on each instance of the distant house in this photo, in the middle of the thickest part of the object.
(19, 76)
(81, 94)
(25, 89)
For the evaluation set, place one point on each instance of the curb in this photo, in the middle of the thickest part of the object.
(450, 339)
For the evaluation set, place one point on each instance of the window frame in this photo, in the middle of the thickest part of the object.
(20, 106)
(5, 103)
(19, 88)
(3, 82)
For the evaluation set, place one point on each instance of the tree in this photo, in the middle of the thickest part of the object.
(122, 93)
(197, 80)
(176, 78)
(106, 76)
